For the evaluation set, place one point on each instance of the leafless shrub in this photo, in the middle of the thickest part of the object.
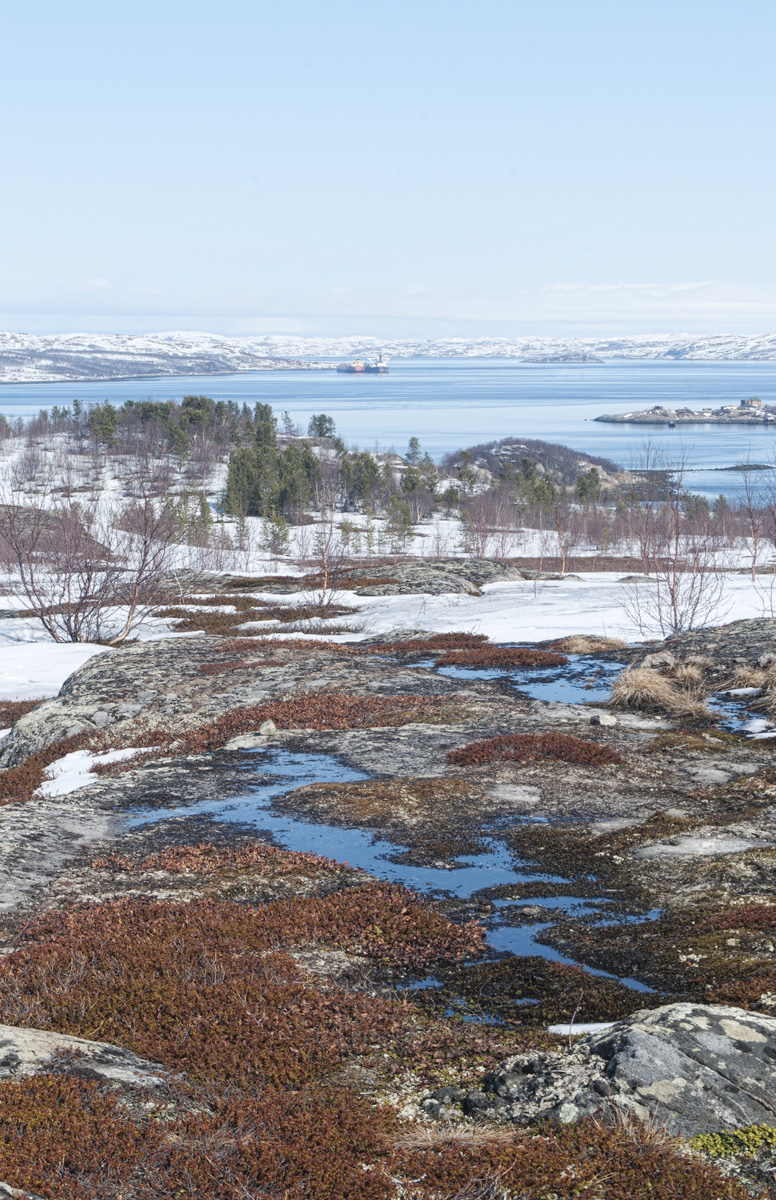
(88, 570)
(685, 586)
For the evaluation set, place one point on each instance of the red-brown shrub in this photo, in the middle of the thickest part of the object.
(502, 657)
(744, 993)
(11, 710)
(308, 710)
(535, 747)
(206, 859)
(426, 645)
(207, 987)
(67, 1141)
(747, 916)
(20, 782)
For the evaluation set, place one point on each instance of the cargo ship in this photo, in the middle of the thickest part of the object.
(364, 366)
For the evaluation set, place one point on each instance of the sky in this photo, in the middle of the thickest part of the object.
(422, 169)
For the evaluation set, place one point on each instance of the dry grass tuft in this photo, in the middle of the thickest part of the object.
(587, 643)
(688, 675)
(644, 687)
(423, 1137)
(745, 677)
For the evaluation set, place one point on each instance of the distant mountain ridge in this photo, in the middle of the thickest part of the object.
(29, 358)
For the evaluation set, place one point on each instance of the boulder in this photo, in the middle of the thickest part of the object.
(39, 1051)
(693, 1068)
(661, 658)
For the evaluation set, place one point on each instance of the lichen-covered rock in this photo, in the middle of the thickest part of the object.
(694, 1068)
(26, 1052)
(466, 575)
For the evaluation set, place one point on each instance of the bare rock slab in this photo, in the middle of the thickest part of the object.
(694, 1068)
(39, 1051)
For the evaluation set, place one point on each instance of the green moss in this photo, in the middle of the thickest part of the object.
(735, 1141)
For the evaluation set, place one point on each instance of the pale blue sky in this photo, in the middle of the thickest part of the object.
(423, 168)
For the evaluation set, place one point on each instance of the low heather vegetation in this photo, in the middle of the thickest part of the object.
(535, 747)
(502, 658)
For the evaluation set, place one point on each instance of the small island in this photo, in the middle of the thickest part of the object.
(747, 412)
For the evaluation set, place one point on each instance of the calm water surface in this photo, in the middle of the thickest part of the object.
(451, 403)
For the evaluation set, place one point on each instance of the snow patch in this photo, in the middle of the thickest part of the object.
(75, 770)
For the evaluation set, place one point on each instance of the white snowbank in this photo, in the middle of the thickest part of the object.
(74, 771)
(524, 611)
(35, 669)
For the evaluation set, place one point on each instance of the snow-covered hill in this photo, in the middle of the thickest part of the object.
(28, 358)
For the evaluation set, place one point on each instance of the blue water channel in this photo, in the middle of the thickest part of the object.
(276, 772)
(585, 679)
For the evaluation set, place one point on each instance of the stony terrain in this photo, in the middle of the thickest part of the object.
(630, 841)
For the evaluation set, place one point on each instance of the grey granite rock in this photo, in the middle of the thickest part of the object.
(37, 1051)
(691, 1067)
(462, 575)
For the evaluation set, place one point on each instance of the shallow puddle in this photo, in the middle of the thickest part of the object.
(735, 715)
(583, 679)
(284, 771)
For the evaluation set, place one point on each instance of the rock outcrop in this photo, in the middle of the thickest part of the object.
(693, 1068)
(39, 1051)
(436, 578)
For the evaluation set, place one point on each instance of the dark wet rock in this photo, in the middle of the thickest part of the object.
(25, 1052)
(750, 643)
(693, 1068)
(482, 1104)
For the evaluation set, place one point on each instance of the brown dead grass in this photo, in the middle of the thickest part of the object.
(587, 643)
(646, 688)
(746, 677)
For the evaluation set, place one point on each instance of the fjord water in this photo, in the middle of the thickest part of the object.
(452, 403)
